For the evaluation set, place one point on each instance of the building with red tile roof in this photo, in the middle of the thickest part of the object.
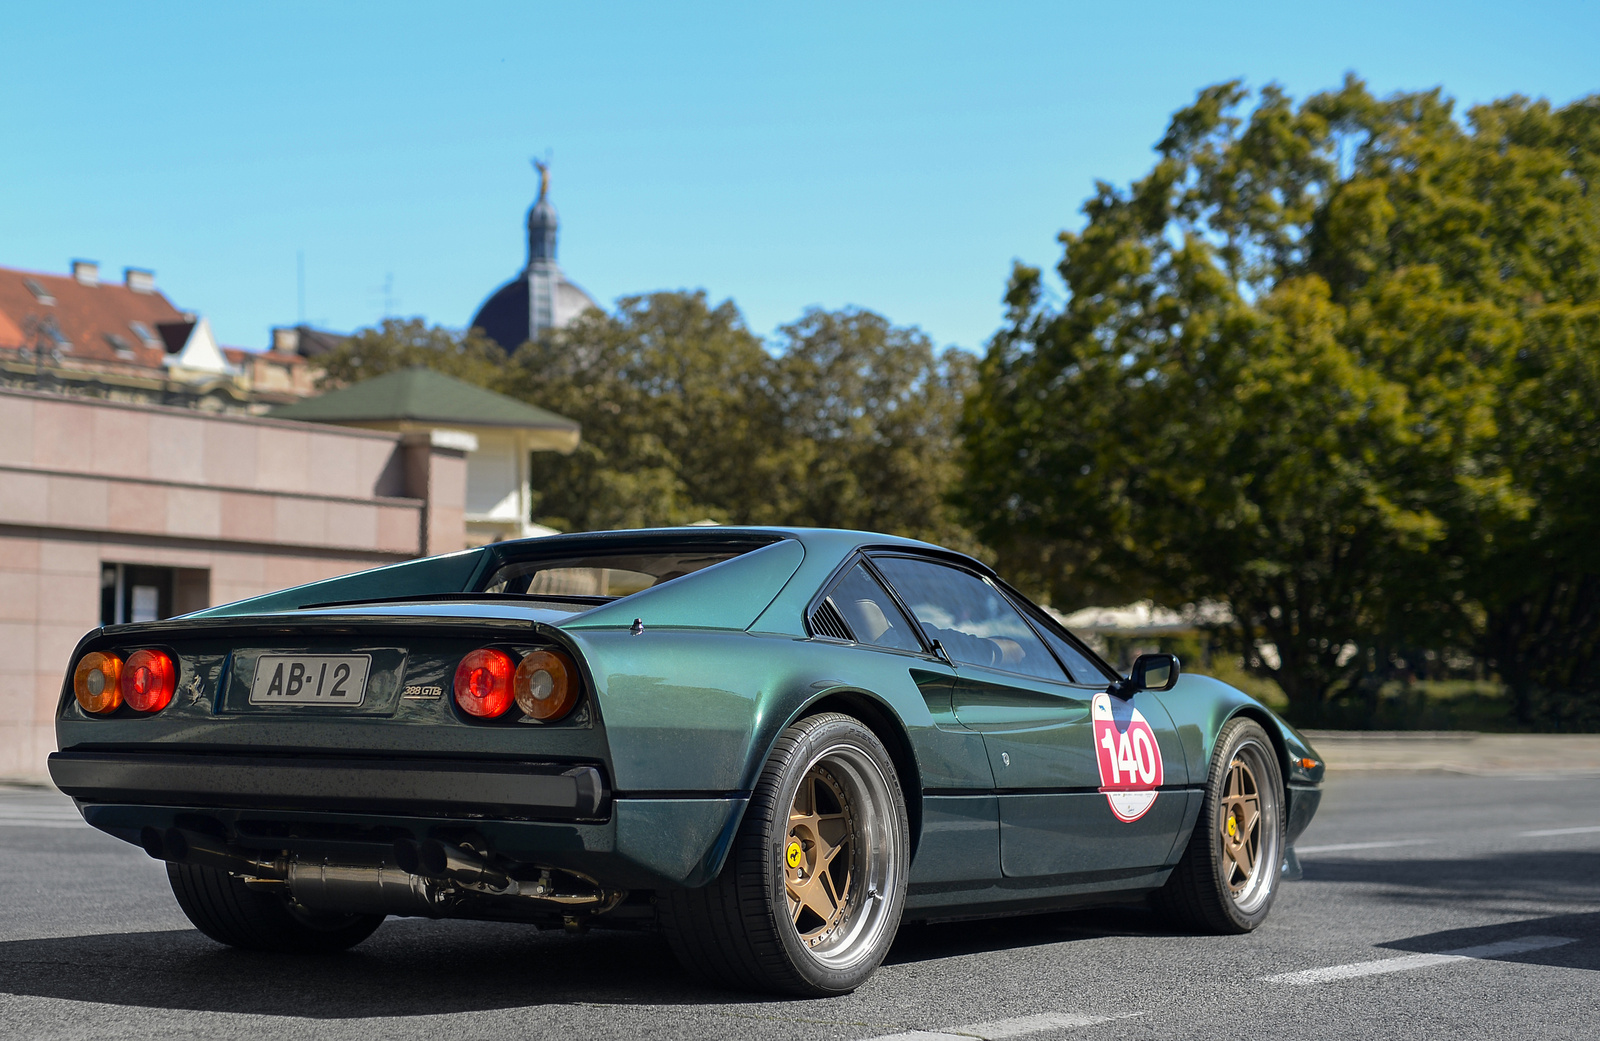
(126, 341)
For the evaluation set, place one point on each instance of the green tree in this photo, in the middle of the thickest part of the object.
(1279, 377)
(400, 343)
(847, 420)
(677, 408)
(1539, 576)
(870, 415)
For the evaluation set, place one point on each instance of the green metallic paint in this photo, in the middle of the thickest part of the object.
(198, 720)
(1200, 706)
(827, 550)
(682, 714)
(452, 572)
(696, 710)
(960, 841)
(677, 841)
(729, 595)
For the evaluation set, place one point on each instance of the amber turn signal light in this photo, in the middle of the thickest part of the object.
(1309, 764)
(97, 682)
(148, 681)
(546, 685)
(483, 683)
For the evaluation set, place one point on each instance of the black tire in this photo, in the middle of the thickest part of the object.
(1207, 891)
(745, 929)
(230, 912)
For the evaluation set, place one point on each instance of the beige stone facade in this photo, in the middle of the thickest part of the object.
(218, 507)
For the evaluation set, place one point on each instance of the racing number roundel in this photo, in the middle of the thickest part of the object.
(1130, 759)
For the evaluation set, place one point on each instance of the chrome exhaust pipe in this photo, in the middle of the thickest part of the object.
(429, 879)
(466, 867)
(177, 846)
(321, 885)
(435, 859)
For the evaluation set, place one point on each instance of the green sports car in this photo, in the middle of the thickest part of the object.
(773, 744)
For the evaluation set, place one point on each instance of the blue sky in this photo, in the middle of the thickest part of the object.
(892, 156)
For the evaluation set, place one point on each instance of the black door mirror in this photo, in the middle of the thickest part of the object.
(1150, 672)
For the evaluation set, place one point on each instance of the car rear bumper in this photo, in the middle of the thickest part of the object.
(549, 814)
(426, 787)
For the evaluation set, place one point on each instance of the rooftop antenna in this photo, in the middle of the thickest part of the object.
(300, 281)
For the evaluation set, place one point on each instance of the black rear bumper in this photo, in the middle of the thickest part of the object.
(420, 787)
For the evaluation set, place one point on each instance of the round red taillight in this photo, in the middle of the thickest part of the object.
(96, 682)
(547, 685)
(483, 683)
(148, 680)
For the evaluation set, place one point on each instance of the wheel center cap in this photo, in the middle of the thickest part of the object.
(794, 854)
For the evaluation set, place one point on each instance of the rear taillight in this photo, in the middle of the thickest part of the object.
(483, 683)
(97, 682)
(546, 685)
(148, 680)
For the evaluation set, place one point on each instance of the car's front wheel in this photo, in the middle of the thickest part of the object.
(230, 912)
(810, 896)
(1229, 873)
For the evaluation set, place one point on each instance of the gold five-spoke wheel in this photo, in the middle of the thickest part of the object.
(817, 873)
(818, 856)
(1241, 826)
(1228, 875)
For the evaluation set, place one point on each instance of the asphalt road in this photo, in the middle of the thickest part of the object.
(1399, 869)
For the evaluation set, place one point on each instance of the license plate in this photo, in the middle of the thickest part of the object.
(310, 679)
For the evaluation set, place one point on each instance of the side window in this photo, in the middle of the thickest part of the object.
(871, 613)
(969, 617)
(1082, 667)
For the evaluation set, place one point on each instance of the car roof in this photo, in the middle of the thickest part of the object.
(824, 550)
(843, 540)
(835, 543)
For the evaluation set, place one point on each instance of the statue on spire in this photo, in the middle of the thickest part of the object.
(543, 166)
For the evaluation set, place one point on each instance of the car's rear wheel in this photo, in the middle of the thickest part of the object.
(1229, 873)
(230, 912)
(810, 896)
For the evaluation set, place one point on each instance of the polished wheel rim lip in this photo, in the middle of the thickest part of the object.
(1247, 829)
(837, 884)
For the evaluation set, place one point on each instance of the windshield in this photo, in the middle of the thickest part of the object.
(603, 575)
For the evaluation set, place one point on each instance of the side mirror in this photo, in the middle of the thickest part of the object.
(1150, 672)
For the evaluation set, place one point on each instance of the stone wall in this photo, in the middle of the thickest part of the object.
(243, 505)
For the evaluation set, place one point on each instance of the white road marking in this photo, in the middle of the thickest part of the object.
(1409, 962)
(1361, 845)
(1561, 831)
(9, 821)
(1003, 1028)
(39, 816)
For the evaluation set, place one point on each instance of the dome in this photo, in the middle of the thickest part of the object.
(507, 319)
(541, 297)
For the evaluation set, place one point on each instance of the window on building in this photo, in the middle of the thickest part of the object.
(142, 593)
(40, 293)
(49, 331)
(144, 334)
